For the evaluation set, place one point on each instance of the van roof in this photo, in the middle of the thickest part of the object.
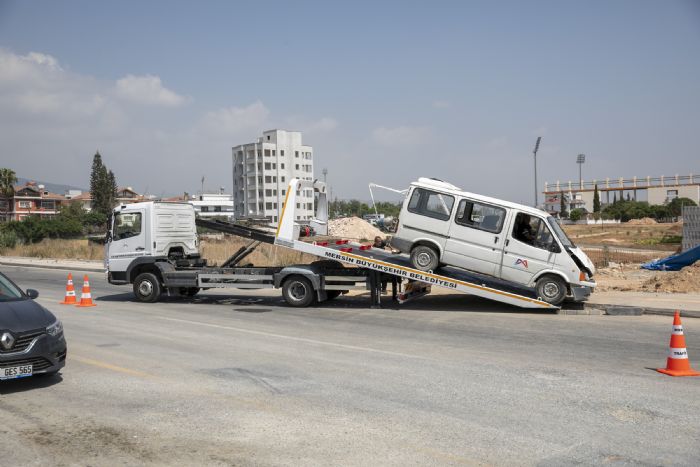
(439, 185)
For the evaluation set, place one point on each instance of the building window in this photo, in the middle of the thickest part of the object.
(273, 152)
(50, 205)
(284, 192)
(281, 165)
(25, 204)
(274, 218)
(274, 165)
(281, 152)
(282, 178)
(296, 166)
(268, 179)
(267, 153)
(217, 208)
(267, 166)
(268, 206)
(296, 153)
(268, 137)
(672, 194)
(204, 209)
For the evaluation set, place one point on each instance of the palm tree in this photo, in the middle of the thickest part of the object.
(7, 182)
(7, 186)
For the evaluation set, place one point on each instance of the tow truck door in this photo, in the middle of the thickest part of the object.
(128, 239)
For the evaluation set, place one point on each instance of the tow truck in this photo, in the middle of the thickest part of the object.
(154, 247)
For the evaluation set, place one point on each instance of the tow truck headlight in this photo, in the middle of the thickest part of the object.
(55, 329)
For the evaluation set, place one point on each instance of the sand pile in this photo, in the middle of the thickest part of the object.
(642, 221)
(353, 228)
(684, 281)
(631, 278)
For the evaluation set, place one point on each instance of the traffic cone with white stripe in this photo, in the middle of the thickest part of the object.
(70, 292)
(677, 363)
(86, 297)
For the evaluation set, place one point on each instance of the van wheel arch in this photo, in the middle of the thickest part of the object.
(425, 256)
(552, 288)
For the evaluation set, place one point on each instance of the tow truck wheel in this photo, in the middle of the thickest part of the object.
(147, 287)
(424, 258)
(298, 291)
(551, 289)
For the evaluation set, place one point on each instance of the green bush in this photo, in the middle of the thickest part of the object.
(8, 239)
(576, 214)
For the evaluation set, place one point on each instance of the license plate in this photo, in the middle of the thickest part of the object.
(13, 372)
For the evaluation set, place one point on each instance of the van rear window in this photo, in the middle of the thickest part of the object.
(431, 204)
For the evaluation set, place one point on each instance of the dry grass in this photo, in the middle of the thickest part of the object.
(218, 251)
(625, 235)
(215, 251)
(58, 249)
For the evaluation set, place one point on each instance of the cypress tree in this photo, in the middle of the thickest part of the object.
(596, 199)
(97, 182)
(562, 205)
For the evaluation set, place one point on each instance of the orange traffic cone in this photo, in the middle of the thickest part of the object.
(677, 363)
(70, 292)
(86, 297)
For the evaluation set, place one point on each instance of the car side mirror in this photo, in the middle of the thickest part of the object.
(554, 248)
(31, 293)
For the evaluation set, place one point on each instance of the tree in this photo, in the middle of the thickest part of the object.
(562, 205)
(97, 182)
(614, 198)
(103, 187)
(576, 214)
(596, 200)
(8, 178)
(675, 207)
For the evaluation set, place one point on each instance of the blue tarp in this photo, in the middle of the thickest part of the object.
(674, 262)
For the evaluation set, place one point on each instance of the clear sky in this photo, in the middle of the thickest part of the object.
(384, 91)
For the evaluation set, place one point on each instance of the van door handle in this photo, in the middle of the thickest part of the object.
(140, 248)
(495, 240)
(507, 241)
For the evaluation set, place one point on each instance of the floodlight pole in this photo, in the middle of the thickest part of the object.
(580, 159)
(534, 153)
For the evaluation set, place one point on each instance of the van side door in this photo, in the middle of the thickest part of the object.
(476, 237)
(530, 248)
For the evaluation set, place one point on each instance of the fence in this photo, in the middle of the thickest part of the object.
(602, 256)
(691, 227)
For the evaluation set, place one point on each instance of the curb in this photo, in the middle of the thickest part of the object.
(630, 310)
(53, 266)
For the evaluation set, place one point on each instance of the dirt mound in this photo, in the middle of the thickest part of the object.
(642, 221)
(353, 228)
(631, 278)
(684, 281)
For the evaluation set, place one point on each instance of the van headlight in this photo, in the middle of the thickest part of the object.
(55, 329)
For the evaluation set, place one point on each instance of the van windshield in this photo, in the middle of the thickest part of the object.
(559, 232)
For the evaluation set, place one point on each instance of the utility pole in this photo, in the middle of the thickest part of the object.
(580, 159)
(534, 153)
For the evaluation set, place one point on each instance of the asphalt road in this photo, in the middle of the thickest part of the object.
(245, 380)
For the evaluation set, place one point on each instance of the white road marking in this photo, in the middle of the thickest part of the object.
(299, 339)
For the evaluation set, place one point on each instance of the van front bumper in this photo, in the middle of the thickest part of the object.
(580, 293)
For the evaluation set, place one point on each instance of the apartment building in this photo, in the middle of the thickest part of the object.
(30, 199)
(261, 173)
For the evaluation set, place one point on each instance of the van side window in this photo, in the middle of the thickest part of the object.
(532, 231)
(480, 216)
(431, 204)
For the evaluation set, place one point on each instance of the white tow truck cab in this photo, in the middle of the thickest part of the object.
(144, 233)
(442, 225)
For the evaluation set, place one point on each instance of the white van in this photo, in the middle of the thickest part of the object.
(443, 225)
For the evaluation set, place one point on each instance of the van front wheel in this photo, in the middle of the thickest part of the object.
(551, 289)
(425, 258)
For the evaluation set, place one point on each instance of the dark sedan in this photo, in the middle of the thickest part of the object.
(31, 337)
